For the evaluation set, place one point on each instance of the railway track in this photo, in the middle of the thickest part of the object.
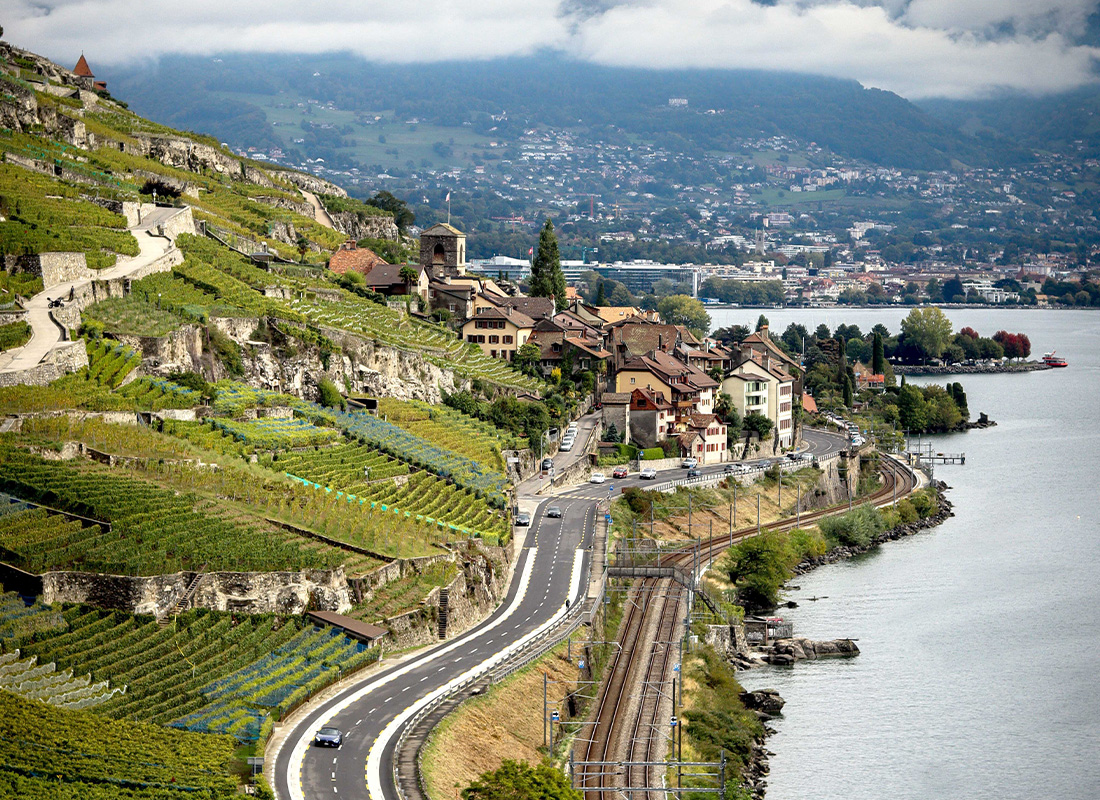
(620, 709)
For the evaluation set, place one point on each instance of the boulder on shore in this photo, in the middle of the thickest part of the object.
(764, 701)
(787, 651)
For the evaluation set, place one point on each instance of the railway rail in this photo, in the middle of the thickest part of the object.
(627, 724)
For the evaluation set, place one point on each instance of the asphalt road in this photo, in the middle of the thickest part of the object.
(552, 569)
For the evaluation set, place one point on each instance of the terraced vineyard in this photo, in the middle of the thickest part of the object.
(273, 683)
(49, 753)
(276, 434)
(416, 450)
(362, 474)
(207, 671)
(110, 362)
(75, 391)
(387, 326)
(18, 618)
(117, 439)
(154, 530)
(27, 678)
(451, 429)
(42, 215)
(399, 596)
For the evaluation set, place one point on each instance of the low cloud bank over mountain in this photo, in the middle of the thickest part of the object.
(917, 48)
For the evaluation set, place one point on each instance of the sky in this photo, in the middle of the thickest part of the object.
(917, 48)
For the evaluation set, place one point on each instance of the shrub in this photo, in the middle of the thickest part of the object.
(857, 528)
(925, 502)
(907, 512)
(653, 454)
(330, 395)
(639, 501)
(15, 334)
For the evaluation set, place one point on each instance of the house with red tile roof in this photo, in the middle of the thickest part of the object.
(352, 258)
(86, 76)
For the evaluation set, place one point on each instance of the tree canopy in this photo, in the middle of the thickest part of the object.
(679, 309)
(927, 329)
(518, 780)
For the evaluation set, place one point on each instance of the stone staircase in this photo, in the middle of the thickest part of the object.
(183, 599)
(444, 595)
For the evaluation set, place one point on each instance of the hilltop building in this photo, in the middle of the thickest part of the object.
(443, 251)
(86, 78)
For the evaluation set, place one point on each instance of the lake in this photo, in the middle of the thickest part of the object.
(980, 668)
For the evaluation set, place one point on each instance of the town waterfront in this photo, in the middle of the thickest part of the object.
(980, 639)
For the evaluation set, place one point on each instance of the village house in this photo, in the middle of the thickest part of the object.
(499, 332)
(761, 385)
(704, 438)
(652, 418)
(352, 258)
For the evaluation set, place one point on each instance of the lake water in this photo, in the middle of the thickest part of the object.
(980, 668)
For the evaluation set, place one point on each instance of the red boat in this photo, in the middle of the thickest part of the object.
(1052, 360)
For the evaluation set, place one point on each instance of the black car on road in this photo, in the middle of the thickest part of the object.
(329, 737)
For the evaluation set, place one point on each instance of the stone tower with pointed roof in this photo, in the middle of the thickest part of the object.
(85, 75)
(443, 251)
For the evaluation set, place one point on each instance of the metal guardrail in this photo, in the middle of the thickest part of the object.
(785, 465)
(583, 612)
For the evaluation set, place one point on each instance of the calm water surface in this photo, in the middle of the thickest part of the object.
(980, 668)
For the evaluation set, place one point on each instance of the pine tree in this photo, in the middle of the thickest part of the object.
(547, 279)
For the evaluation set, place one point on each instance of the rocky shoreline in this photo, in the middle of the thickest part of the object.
(970, 369)
(766, 703)
(900, 532)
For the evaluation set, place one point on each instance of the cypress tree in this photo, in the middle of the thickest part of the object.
(878, 360)
(841, 361)
(847, 391)
(547, 279)
(601, 295)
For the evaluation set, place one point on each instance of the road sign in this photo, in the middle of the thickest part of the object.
(580, 664)
(607, 518)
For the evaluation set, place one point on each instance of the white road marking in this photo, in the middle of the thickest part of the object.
(374, 758)
(297, 757)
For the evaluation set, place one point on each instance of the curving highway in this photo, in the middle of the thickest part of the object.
(551, 571)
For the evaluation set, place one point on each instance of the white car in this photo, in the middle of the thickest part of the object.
(648, 474)
(689, 463)
(597, 477)
(566, 446)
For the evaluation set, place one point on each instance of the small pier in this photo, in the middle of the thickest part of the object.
(929, 456)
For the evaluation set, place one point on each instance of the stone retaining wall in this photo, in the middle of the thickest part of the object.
(65, 358)
(247, 592)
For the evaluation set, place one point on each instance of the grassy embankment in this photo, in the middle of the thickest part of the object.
(506, 722)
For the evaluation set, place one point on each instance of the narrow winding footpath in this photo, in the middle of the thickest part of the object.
(319, 213)
(45, 333)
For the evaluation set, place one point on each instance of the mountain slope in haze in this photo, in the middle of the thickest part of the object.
(1063, 123)
(506, 96)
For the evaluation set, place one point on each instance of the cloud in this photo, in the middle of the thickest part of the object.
(917, 48)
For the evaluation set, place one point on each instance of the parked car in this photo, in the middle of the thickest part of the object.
(648, 474)
(597, 477)
(554, 511)
(329, 737)
(688, 463)
(694, 472)
(547, 464)
(523, 518)
(620, 472)
(566, 445)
